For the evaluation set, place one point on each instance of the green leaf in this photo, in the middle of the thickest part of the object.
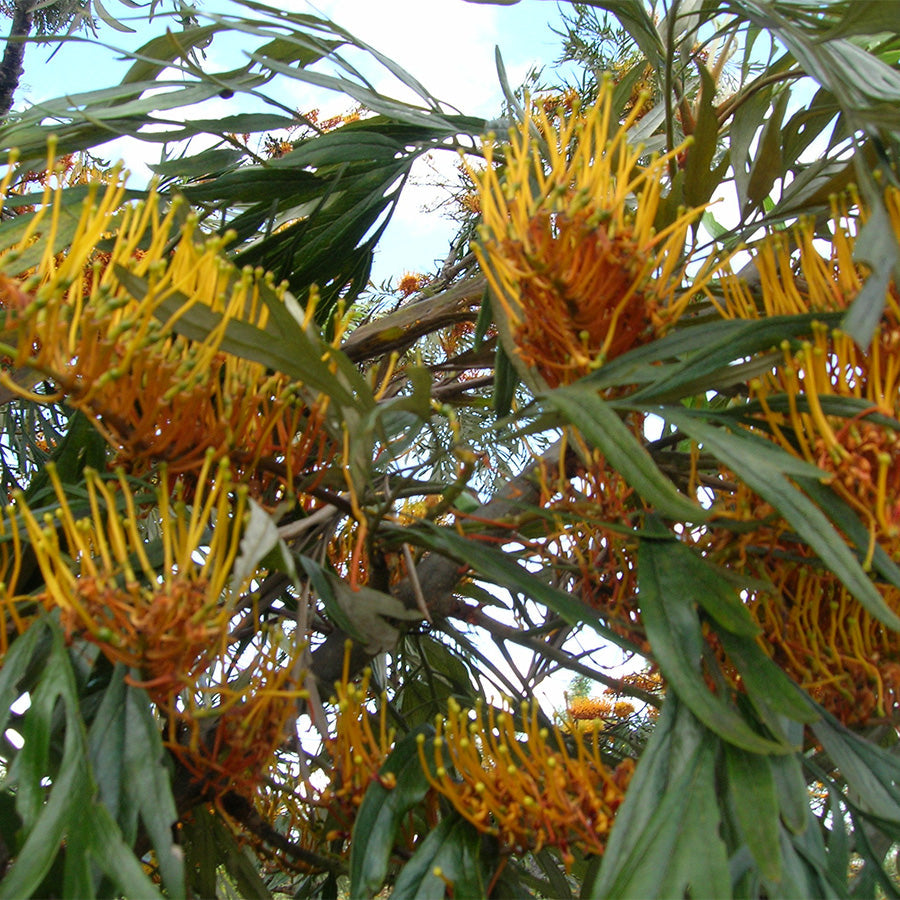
(25, 651)
(666, 839)
(148, 787)
(751, 788)
(454, 850)
(669, 590)
(763, 467)
(872, 775)
(440, 675)
(209, 162)
(362, 613)
(767, 166)
(602, 426)
(381, 813)
(499, 567)
(506, 380)
(153, 57)
(699, 181)
(708, 350)
(790, 788)
(292, 352)
(849, 523)
(876, 246)
(69, 804)
(770, 691)
(261, 547)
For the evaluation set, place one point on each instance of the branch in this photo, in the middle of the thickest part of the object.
(437, 576)
(402, 328)
(11, 67)
(508, 633)
(241, 810)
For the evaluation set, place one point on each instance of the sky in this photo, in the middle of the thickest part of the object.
(448, 45)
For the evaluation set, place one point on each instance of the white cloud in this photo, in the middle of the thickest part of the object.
(443, 43)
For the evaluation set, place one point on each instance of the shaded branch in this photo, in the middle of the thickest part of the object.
(558, 655)
(11, 66)
(437, 576)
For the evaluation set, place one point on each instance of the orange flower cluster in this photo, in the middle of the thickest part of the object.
(581, 540)
(103, 328)
(166, 627)
(320, 808)
(359, 747)
(252, 703)
(814, 628)
(410, 283)
(589, 708)
(528, 787)
(570, 246)
(226, 707)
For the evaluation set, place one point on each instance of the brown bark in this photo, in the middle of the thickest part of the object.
(11, 67)
(437, 575)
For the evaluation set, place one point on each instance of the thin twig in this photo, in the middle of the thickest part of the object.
(414, 583)
(507, 633)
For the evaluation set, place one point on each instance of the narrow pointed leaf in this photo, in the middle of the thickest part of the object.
(382, 809)
(751, 787)
(602, 426)
(765, 472)
(669, 595)
(454, 850)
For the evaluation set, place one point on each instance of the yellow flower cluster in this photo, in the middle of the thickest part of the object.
(360, 745)
(98, 574)
(812, 625)
(579, 274)
(103, 327)
(569, 242)
(526, 784)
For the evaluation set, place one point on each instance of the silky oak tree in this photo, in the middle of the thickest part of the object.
(287, 555)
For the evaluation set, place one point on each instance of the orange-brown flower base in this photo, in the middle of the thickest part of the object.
(577, 290)
(601, 559)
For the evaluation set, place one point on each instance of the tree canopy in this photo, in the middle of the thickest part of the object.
(288, 555)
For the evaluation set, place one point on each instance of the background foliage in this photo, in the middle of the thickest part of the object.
(279, 544)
